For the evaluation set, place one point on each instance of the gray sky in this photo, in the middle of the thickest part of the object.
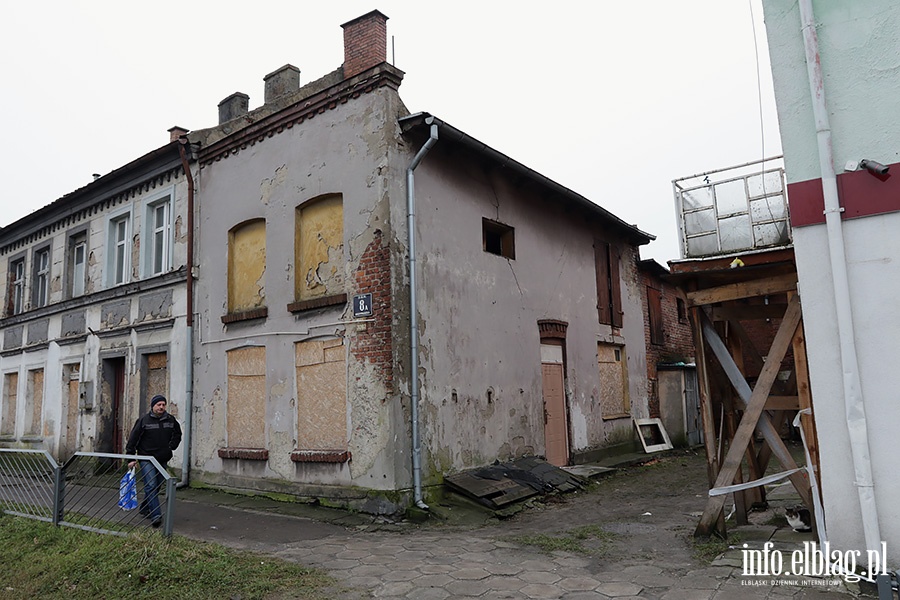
(611, 99)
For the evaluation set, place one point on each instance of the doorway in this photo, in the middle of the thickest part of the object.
(112, 400)
(556, 430)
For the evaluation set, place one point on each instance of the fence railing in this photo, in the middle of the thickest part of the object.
(84, 491)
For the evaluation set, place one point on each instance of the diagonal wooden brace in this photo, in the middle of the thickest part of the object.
(754, 416)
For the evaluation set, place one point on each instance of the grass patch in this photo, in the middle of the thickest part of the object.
(44, 561)
(707, 550)
(589, 539)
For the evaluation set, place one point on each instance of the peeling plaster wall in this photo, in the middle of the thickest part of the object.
(142, 314)
(479, 315)
(347, 151)
(858, 44)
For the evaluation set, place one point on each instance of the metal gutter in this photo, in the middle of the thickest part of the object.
(189, 317)
(413, 315)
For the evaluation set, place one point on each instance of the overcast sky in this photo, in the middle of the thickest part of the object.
(613, 100)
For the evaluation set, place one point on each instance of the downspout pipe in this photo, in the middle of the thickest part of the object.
(853, 400)
(413, 315)
(189, 318)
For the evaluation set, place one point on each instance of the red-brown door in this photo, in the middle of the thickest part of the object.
(556, 438)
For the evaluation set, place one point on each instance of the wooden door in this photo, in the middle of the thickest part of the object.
(556, 438)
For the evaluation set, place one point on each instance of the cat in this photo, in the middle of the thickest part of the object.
(798, 518)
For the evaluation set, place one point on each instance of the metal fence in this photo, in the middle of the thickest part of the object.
(84, 492)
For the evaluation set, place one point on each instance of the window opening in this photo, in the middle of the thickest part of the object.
(498, 239)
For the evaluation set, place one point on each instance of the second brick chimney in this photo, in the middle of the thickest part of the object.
(365, 43)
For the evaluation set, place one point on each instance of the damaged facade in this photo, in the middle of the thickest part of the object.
(529, 302)
(94, 317)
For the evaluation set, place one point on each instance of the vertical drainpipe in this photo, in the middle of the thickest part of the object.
(189, 318)
(853, 401)
(413, 316)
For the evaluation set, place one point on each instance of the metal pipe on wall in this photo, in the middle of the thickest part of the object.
(853, 400)
(189, 318)
(413, 316)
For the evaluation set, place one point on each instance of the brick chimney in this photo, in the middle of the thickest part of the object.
(365, 43)
(233, 106)
(176, 132)
(282, 81)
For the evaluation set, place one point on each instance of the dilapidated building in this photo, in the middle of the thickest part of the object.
(94, 318)
(517, 303)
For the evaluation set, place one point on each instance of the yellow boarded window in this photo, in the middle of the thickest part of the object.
(35, 392)
(319, 248)
(614, 401)
(246, 412)
(247, 266)
(10, 397)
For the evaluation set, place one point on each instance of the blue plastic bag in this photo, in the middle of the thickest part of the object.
(128, 491)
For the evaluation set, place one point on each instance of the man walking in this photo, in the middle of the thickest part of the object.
(155, 434)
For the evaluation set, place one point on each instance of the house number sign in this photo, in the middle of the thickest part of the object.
(362, 305)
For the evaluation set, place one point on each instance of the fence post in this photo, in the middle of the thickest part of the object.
(170, 506)
(59, 492)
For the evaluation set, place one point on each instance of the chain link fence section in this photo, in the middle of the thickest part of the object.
(84, 491)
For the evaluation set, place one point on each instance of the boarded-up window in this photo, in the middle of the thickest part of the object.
(34, 396)
(10, 397)
(246, 413)
(609, 297)
(654, 310)
(156, 376)
(321, 395)
(247, 266)
(71, 378)
(319, 248)
(613, 381)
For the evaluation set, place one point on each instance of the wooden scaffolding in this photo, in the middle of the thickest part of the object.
(747, 392)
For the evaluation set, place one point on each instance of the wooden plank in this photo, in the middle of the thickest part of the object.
(752, 415)
(707, 420)
(744, 289)
(783, 403)
(804, 394)
(770, 258)
(747, 312)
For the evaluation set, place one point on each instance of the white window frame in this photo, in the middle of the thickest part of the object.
(78, 280)
(17, 285)
(41, 284)
(113, 244)
(150, 230)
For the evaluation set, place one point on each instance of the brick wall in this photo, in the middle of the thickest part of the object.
(678, 341)
(373, 275)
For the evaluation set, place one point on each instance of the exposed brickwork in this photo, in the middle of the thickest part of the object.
(365, 43)
(551, 328)
(321, 456)
(679, 343)
(373, 275)
(332, 300)
(247, 315)
(244, 453)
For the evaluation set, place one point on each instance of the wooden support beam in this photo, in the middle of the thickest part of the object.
(747, 312)
(783, 403)
(753, 413)
(808, 422)
(744, 289)
(707, 419)
(746, 344)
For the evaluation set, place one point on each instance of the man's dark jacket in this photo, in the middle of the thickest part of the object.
(154, 436)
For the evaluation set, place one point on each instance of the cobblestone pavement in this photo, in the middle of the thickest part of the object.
(627, 537)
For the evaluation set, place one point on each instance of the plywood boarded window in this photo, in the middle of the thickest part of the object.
(321, 395)
(319, 248)
(10, 398)
(246, 412)
(614, 401)
(609, 296)
(156, 375)
(654, 310)
(247, 266)
(34, 395)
